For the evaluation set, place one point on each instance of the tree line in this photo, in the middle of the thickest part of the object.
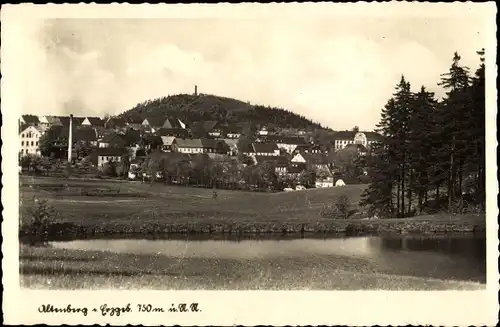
(191, 108)
(432, 156)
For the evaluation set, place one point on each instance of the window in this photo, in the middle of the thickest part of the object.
(31, 143)
(22, 143)
(36, 143)
(22, 135)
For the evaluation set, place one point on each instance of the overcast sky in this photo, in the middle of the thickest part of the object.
(339, 71)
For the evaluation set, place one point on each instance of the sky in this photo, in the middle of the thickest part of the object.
(339, 71)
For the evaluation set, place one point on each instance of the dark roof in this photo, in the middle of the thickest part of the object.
(349, 135)
(96, 121)
(171, 123)
(296, 169)
(86, 134)
(189, 143)
(65, 120)
(172, 132)
(114, 138)
(233, 129)
(286, 139)
(209, 143)
(210, 125)
(112, 152)
(134, 120)
(315, 158)
(132, 137)
(114, 122)
(155, 121)
(31, 119)
(344, 135)
(373, 136)
(279, 161)
(264, 147)
(102, 131)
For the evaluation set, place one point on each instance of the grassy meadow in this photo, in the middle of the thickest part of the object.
(120, 207)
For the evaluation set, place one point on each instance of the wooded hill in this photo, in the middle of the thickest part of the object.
(190, 108)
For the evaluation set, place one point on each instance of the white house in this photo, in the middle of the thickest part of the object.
(344, 138)
(263, 131)
(339, 183)
(30, 137)
(316, 160)
(287, 143)
(189, 146)
(168, 143)
(105, 155)
(262, 149)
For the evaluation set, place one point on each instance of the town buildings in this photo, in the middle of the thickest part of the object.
(109, 139)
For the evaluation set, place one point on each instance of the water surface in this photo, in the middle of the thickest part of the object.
(449, 258)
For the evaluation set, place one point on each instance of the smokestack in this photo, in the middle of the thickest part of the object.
(196, 90)
(70, 138)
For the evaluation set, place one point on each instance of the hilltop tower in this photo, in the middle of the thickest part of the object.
(195, 90)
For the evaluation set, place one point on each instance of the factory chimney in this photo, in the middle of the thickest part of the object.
(195, 90)
(70, 138)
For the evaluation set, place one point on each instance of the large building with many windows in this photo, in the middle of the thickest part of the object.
(29, 140)
(344, 138)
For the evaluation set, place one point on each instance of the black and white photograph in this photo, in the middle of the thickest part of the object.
(270, 152)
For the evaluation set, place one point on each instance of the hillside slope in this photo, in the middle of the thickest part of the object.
(191, 108)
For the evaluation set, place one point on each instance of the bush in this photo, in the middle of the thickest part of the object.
(42, 216)
(340, 209)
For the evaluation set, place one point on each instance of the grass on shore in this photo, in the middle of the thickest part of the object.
(48, 268)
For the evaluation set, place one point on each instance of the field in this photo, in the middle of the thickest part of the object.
(96, 206)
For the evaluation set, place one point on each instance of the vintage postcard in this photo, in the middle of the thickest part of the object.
(250, 164)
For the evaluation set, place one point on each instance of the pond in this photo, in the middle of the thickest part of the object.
(461, 258)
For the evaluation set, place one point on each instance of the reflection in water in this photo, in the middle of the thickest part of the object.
(245, 249)
(462, 258)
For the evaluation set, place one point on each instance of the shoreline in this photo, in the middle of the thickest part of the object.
(404, 226)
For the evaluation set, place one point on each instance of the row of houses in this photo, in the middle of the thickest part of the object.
(176, 136)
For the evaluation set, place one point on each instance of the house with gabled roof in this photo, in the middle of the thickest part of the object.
(309, 148)
(102, 156)
(316, 160)
(29, 120)
(287, 143)
(93, 122)
(134, 122)
(85, 135)
(232, 131)
(113, 140)
(213, 128)
(169, 144)
(173, 123)
(189, 146)
(49, 121)
(29, 138)
(115, 123)
(280, 163)
(233, 146)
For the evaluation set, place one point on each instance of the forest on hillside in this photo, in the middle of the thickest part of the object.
(190, 108)
(432, 156)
